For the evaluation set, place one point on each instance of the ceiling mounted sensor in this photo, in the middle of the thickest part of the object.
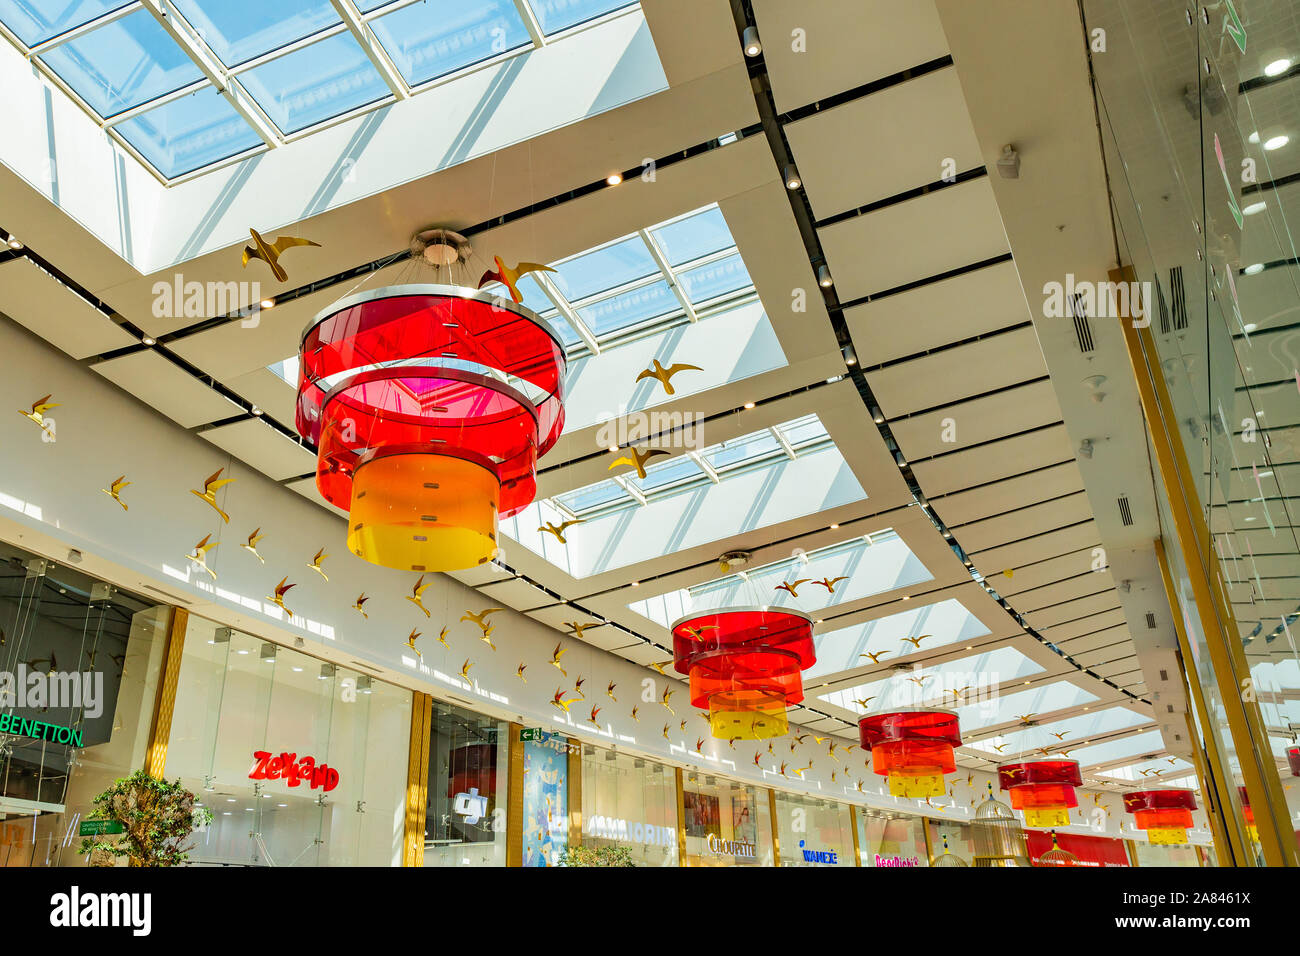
(1009, 163)
(733, 561)
(440, 248)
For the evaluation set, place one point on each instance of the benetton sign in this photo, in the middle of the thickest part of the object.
(22, 727)
(294, 771)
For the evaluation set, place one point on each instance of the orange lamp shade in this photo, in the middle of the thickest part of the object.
(1165, 815)
(429, 406)
(1042, 789)
(744, 666)
(423, 512)
(913, 749)
(1248, 814)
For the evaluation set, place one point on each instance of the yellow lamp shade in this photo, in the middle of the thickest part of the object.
(1166, 835)
(748, 724)
(1047, 816)
(917, 785)
(423, 512)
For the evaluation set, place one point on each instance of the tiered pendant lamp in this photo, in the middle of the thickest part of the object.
(1043, 789)
(912, 748)
(429, 406)
(744, 666)
(1166, 815)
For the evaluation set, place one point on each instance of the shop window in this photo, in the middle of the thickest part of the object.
(300, 761)
(79, 668)
(629, 802)
(465, 821)
(813, 831)
(546, 800)
(891, 839)
(727, 823)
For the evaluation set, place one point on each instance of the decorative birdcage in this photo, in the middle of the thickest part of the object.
(1056, 856)
(998, 837)
(947, 857)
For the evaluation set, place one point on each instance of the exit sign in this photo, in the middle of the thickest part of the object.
(99, 827)
(532, 733)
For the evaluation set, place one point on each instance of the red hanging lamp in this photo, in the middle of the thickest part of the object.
(429, 406)
(1165, 815)
(913, 749)
(744, 666)
(1043, 789)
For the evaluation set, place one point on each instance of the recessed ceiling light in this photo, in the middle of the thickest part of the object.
(749, 404)
(15, 242)
(147, 341)
(1253, 208)
(1276, 142)
(613, 179)
(636, 584)
(267, 304)
(1254, 268)
(834, 526)
(256, 410)
(613, 448)
(1277, 67)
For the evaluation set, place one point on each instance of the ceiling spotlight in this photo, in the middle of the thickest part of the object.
(147, 340)
(1277, 67)
(613, 448)
(749, 404)
(1254, 268)
(15, 243)
(850, 356)
(824, 277)
(1009, 163)
(1254, 208)
(1085, 448)
(792, 180)
(749, 40)
(613, 179)
(1276, 142)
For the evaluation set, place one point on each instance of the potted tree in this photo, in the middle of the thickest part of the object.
(156, 817)
(595, 856)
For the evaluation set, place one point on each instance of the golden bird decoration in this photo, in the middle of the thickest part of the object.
(410, 642)
(609, 691)
(756, 763)
(481, 617)
(916, 641)
(577, 686)
(37, 412)
(829, 583)
(637, 460)
(519, 671)
(442, 638)
(699, 745)
(251, 544)
(635, 711)
(556, 654)
(682, 723)
(791, 587)
(1026, 719)
(360, 605)
(664, 376)
(875, 658)
(999, 747)
(486, 636)
(577, 628)
(592, 717)
(660, 667)
(863, 701)
(213, 482)
(464, 668)
(114, 490)
(560, 702)
(314, 564)
(200, 555)
(696, 633)
(509, 277)
(1062, 735)
(666, 732)
(667, 697)
(416, 596)
(278, 598)
(558, 530)
(269, 252)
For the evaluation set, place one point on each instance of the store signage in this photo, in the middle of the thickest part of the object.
(614, 828)
(39, 730)
(731, 847)
(294, 771)
(532, 733)
(897, 860)
(99, 827)
(472, 806)
(828, 857)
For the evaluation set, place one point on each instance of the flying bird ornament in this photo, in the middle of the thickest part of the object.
(37, 413)
(559, 701)
(200, 555)
(211, 485)
(556, 654)
(114, 490)
(410, 642)
(829, 583)
(442, 638)
(635, 711)
(637, 460)
(278, 598)
(664, 376)
(315, 563)
(519, 671)
(416, 596)
(251, 544)
(558, 530)
(875, 658)
(509, 277)
(916, 641)
(360, 605)
(464, 668)
(609, 691)
(481, 617)
(791, 587)
(269, 252)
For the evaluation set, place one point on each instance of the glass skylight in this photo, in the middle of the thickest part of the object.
(1150, 742)
(945, 622)
(302, 62)
(1044, 699)
(1076, 731)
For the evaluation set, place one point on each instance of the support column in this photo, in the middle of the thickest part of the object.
(776, 830)
(417, 779)
(160, 730)
(574, 796)
(681, 817)
(515, 799)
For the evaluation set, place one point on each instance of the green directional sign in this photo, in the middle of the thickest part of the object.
(1232, 25)
(532, 733)
(99, 827)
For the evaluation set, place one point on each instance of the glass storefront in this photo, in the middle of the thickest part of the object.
(886, 838)
(727, 823)
(300, 761)
(79, 668)
(813, 831)
(469, 769)
(629, 802)
(1153, 854)
(960, 836)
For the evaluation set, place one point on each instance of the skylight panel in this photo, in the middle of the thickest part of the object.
(123, 64)
(742, 451)
(1076, 730)
(671, 472)
(240, 30)
(556, 15)
(626, 310)
(435, 37)
(588, 499)
(1149, 742)
(694, 236)
(603, 269)
(715, 279)
(35, 23)
(314, 84)
(189, 133)
(1046, 698)
(973, 679)
(804, 431)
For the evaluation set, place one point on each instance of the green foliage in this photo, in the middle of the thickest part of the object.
(158, 818)
(596, 856)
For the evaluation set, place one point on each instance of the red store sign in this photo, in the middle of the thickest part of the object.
(289, 768)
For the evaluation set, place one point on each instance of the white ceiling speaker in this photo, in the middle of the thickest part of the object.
(733, 561)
